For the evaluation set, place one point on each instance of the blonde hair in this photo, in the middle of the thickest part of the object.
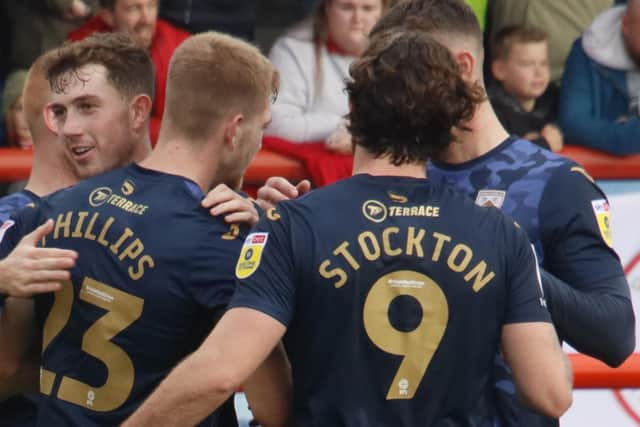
(212, 75)
(36, 94)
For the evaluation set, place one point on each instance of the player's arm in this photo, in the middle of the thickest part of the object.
(277, 189)
(599, 322)
(235, 208)
(19, 356)
(541, 370)
(269, 390)
(239, 343)
(585, 285)
(28, 269)
(529, 342)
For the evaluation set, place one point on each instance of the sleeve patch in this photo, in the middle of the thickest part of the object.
(251, 254)
(603, 218)
(5, 226)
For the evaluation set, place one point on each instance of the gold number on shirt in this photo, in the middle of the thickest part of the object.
(122, 310)
(417, 346)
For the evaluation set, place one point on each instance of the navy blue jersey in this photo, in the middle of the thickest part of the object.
(394, 292)
(153, 274)
(14, 202)
(18, 411)
(566, 217)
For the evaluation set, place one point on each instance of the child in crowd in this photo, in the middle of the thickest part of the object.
(521, 95)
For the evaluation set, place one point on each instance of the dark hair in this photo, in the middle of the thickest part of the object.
(108, 4)
(406, 96)
(512, 34)
(129, 68)
(439, 18)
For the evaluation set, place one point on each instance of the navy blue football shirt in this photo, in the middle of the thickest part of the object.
(17, 411)
(154, 273)
(394, 292)
(566, 216)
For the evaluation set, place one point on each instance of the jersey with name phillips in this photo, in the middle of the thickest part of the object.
(154, 272)
(393, 292)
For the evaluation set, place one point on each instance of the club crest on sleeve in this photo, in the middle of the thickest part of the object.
(251, 254)
(4, 227)
(603, 218)
(491, 198)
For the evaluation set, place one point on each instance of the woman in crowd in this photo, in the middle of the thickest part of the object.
(17, 132)
(313, 59)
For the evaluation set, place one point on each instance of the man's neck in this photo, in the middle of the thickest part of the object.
(486, 132)
(364, 162)
(177, 158)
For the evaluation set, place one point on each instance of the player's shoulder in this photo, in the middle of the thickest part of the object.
(15, 202)
(535, 158)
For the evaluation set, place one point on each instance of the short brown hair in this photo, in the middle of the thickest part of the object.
(514, 34)
(211, 75)
(406, 95)
(439, 18)
(129, 68)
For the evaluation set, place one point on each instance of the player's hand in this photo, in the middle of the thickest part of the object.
(29, 270)
(553, 136)
(222, 200)
(277, 189)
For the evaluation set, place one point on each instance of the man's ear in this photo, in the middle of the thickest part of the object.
(466, 63)
(140, 110)
(232, 130)
(107, 16)
(50, 120)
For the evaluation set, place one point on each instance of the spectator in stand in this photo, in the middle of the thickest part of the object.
(31, 27)
(563, 21)
(521, 95)
(600, 95)
(17, 131)
(139, 19)
(236, 17)
(313, 59)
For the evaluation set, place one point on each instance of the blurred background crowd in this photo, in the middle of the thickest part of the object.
(557, 72)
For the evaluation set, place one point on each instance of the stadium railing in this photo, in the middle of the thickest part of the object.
(15, 164)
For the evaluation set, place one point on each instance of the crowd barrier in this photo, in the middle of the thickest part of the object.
(588, 373)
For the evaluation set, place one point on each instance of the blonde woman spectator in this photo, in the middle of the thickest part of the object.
(313, 59)
(14, 118)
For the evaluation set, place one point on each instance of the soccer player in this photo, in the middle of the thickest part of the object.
(49, 172)
(96, 83)
(392, 300)
(562, 210)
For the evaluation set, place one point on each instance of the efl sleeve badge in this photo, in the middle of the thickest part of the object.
(603, 218)
(251, 254)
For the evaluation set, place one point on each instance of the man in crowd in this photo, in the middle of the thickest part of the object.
(562, 210)
(389, 322)
(600, 96)
(139, 20)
